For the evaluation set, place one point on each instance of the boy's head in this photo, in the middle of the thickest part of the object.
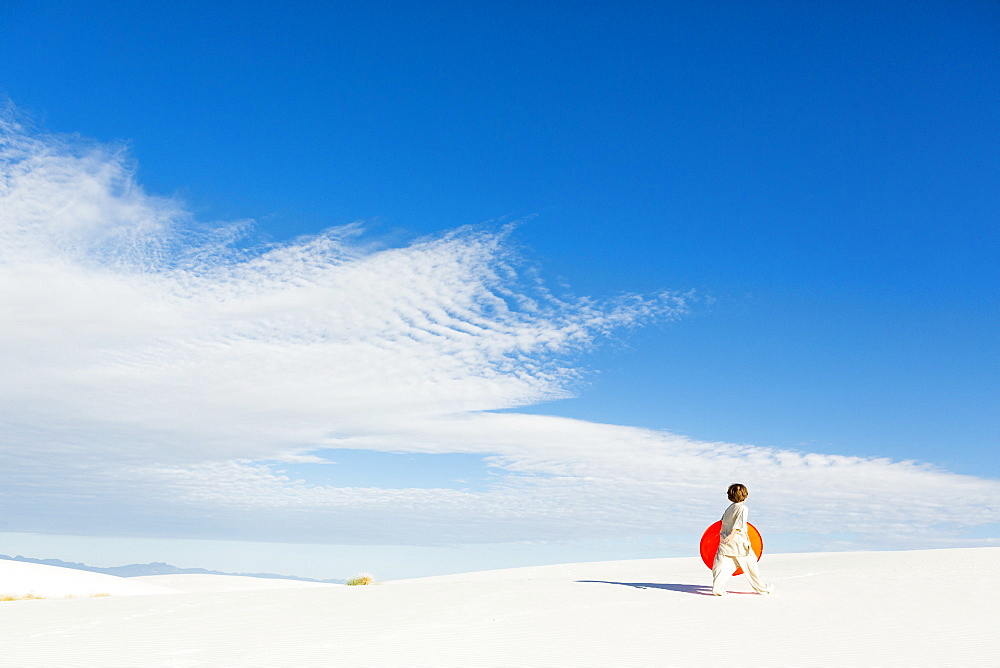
(737, 492)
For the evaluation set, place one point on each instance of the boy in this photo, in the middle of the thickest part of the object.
(734, 546)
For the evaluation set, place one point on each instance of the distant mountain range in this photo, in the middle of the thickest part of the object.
(156, 568)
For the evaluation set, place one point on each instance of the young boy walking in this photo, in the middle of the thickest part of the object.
(734, 546)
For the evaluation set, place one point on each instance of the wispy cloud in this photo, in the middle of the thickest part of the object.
(155, 369)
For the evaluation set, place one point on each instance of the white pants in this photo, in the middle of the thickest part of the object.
(725, 565)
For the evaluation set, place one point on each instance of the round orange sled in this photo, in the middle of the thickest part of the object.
(710, 543)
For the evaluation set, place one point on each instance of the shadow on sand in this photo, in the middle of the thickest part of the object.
(700, 590)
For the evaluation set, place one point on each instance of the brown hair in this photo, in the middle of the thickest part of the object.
(737, 492)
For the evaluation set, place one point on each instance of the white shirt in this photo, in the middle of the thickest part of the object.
(734, 537)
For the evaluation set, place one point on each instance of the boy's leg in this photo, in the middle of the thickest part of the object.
(749, 566)
(722, 568)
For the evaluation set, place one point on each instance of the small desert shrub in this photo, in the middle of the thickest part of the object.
(34, 597)
(363, 579)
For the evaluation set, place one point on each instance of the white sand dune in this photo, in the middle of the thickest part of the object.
(22, 579)
(920, 608)
(205, 583)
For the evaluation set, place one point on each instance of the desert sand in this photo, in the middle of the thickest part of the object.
(915, 608)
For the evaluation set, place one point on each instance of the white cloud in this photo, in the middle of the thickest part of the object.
(151, 369)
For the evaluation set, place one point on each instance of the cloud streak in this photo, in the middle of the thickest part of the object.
(157, 371)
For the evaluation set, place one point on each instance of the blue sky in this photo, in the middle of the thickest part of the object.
(754, 229)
